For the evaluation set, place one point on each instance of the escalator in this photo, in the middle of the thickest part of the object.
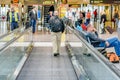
(78, 61)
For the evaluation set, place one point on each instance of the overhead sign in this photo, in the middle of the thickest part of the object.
(77, 1)
(48, 2)
(105, 1)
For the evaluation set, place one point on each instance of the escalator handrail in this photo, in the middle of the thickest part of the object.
(13, 40)
(4, 35)
(97, 54)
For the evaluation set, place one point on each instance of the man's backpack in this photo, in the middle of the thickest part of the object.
(56, 25)
(113, 57)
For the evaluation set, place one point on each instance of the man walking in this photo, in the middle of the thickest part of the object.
(57, 28)
(33, 18)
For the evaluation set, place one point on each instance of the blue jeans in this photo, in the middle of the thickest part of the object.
(33, 24)
(113, 42)
(14, 25)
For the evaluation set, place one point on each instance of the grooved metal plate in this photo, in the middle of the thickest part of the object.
(42, 65)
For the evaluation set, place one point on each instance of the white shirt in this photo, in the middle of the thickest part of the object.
(34, 11)
(69, 15)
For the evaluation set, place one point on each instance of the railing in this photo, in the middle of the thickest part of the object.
(89, 64)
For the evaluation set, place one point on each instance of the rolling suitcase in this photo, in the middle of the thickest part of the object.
(109, 29)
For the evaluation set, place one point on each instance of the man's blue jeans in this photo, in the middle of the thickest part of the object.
(14, 25)
(33, 24)
(113, 42)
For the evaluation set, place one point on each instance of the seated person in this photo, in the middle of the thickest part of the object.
(79, 24)
(111, 42)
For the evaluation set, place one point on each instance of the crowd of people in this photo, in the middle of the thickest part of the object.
(84, 25)
(81, 22)
(79, 18)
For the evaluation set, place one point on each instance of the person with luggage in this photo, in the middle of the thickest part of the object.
(102, 21)
(33, 19)
(111, 42)
(13, 18)
(57, 28)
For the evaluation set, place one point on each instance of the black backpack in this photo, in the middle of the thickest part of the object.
(56, 25)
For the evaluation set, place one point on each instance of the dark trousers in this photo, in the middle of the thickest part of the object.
(95, 19)
(14, 25)
(88, 21)
(33, 24)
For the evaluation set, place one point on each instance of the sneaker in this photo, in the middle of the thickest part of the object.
(56, 54)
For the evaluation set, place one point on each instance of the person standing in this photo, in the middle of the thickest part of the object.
(48, 18)
(13, 18)
(95, 15)
(118, 29)
(23, 19)
(57, 28)
(116, 18)
(33, 18)
(8, 23)
(88, 16)
(102, 21)
(70, 16)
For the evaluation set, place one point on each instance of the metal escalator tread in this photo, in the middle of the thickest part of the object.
(42, 65)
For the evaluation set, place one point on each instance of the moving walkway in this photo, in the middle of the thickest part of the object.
(78, 61)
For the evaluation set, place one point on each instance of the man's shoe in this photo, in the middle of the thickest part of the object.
(56, 54)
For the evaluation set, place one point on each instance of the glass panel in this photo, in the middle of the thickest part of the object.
(9, 37)
(11, 58)
(87, 56)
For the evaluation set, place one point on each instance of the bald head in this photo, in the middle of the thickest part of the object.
(90, 27)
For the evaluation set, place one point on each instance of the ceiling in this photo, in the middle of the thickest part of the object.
(27, 1)
(44, 1)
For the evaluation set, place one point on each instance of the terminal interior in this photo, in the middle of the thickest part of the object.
(28, 56)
